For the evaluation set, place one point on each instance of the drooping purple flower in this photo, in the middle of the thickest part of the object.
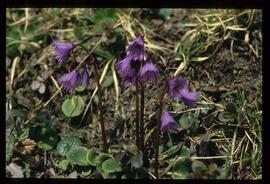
(168, 124)
(70, 80)
(124, 66)
(84, 78)
(62, 50)
(126, 72)
(149, 72)
(129, 79)
(136, 49)
(178, 88)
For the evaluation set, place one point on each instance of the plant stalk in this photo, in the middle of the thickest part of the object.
(137, 113)
(142, 120)
(158, 126)
(100, 106)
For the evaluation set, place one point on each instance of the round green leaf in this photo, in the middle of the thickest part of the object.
(91, 156)
(47, 139)
(100, 159)
(185, 152)
(182, 169)
(80, 88)
(199, 167)
(107, 82)
(73, 107)
(111, 165)
(67, 143)
(78, 156)
(63, 164)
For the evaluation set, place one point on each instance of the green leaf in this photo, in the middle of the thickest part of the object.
(73, 107)
(111, 165)
(91, 156)
(182, 169)
(9, 147)
(80, 88)
(212, 168)
(100, 159)
(67, 143)
(184, 121)
(199, 167)
(104, 16)
(78, 156)
(87, 172)
(165, 12)
(185, 152)
(107, 82)
(45, 137)
(104, 53)
(136, 161)
(63, 164)
(49, 143)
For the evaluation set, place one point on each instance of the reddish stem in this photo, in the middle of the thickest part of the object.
(158, 127)
(137, 113)
(100, 106)
(142, 119)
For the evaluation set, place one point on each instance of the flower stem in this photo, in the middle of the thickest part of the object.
(158, 126)
(100, 106)
(142, 120)
(170, 139)
(137, 113)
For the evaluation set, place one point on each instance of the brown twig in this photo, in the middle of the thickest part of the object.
(158, 126)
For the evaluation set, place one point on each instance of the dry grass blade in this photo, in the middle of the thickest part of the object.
(116, 85)
(95, 91)
(12, 73)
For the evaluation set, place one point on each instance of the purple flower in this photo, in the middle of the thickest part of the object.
(149, 72)
(124, 66)
(128, 79)
(70, 80)
(84, 78)
(168, 124)
(136, 49)
(62, 50)
(126, 72)
(179, 90)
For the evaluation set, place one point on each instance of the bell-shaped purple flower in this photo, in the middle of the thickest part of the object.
(149, 72)
(129, 79)
(84, 78)
(168, 124)
(62, 50)
(179, 90)
(126, 72)
(136, 49)
(124, 66)
(70, 80)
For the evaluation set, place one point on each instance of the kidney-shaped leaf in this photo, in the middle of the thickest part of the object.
(78, 156)
(73, 107)
(67, 143)
(182, 169)
(111, 165)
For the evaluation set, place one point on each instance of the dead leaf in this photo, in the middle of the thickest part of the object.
(74, 174)
(40, 79)
(44, 75)
(15, 170)
(42, 88)
(35, 85)
(29, 146)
